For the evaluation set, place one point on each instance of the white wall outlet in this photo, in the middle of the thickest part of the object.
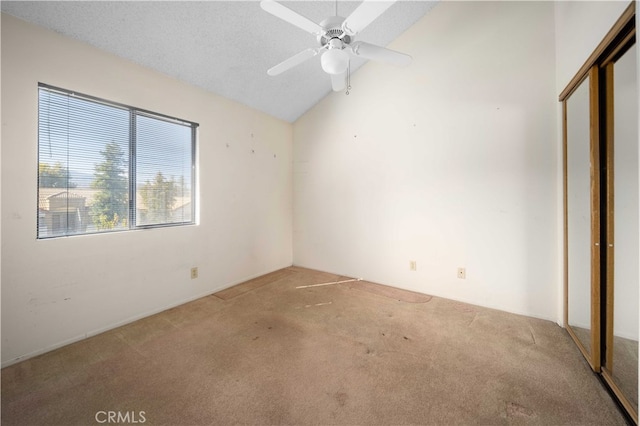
(412, 265)
(194, 273)
(462, 273)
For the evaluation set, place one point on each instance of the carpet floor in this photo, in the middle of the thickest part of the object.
(266, 352)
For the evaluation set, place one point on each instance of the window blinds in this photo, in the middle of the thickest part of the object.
(107, 167)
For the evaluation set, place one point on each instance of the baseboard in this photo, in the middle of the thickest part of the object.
(461, 300)
(131, 319)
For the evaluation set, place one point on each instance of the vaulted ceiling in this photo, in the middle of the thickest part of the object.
(224, 47)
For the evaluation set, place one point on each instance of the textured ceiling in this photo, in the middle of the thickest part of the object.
(224, 47)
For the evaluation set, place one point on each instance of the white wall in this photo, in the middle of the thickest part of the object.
(60, 290)
(451, 162)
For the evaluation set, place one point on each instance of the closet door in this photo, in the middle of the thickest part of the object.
(620, 367)
(582, 217)
(601, 203)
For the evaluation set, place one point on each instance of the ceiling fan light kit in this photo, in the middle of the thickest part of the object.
(336, 38)
(334, 61)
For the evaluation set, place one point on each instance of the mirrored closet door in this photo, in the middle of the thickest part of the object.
(582, 227)
(620, 367)
(601, 199)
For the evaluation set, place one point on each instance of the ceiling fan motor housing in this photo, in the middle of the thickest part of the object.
(332, 27)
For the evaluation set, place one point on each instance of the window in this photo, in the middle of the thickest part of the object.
(107, 167)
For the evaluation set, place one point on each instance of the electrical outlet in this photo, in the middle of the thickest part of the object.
(462, 273)
(412, 265)
(194, 273)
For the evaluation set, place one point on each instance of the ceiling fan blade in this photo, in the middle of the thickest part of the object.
(294, 18)
(377, 53)
(338, 81)
(292, 61)
(365, 14)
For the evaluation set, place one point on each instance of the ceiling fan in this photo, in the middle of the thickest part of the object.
(336, 38)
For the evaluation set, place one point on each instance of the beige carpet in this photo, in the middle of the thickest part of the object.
(351, 353)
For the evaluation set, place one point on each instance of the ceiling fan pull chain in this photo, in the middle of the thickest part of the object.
(348, 78)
